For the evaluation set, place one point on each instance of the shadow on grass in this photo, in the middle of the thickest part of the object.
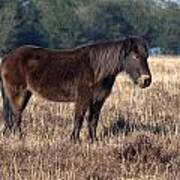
(124, 126)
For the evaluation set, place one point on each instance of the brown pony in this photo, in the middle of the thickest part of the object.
(84, 75)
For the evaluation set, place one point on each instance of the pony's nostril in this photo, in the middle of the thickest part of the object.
(144, 81)
(147, 81)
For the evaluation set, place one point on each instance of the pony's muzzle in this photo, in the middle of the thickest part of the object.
(144, 81)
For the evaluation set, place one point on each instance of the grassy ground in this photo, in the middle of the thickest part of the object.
(139, 135)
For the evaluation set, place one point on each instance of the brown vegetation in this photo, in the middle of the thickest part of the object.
(139, 130)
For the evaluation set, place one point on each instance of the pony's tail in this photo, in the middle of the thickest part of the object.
(7, 110)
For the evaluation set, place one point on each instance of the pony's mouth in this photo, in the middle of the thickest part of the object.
(144, 81)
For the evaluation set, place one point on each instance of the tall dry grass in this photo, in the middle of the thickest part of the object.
(139, 135)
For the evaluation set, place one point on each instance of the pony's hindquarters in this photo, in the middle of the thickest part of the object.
(15, 97)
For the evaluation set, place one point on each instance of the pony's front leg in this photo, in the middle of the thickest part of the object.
(93, 118)
(78, 121)
(82, 104)
(80, 110)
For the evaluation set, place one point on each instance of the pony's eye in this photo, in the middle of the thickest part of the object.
(135, 56)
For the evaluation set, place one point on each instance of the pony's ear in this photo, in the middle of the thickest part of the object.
(128, 42)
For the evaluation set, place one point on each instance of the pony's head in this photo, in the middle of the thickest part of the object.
(135, 61)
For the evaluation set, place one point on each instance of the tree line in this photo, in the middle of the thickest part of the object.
(66, 24)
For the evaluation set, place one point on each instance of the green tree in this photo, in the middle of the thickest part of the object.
(7, 13)
(171, 28)
(65, 24)
(27, 28)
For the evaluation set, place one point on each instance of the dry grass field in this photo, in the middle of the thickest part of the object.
(139, 135)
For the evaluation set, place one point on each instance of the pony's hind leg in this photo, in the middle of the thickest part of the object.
(18, 103)
(7, 113)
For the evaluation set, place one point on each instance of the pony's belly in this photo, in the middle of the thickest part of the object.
(57, 97)
(59, 93)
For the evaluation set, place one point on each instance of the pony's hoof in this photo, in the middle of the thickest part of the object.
(92, 140)
(6, 132)
(17, 133)
(74, 139)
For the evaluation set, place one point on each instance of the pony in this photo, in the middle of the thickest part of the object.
(84, 75)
